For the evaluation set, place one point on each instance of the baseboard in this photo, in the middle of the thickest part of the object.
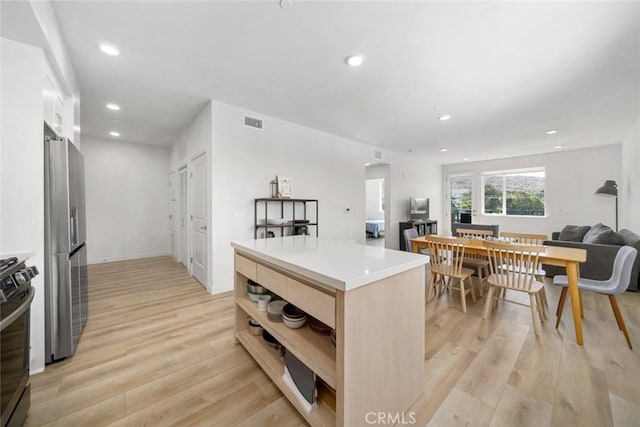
(221, 289)
(34, 371)
(126, 258)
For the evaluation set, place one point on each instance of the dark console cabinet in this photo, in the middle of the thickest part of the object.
(424, 227)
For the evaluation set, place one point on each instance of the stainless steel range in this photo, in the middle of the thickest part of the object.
(16, 295)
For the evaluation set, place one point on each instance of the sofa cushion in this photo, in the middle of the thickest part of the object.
(630, 238)
(604, 235)
(573, 233)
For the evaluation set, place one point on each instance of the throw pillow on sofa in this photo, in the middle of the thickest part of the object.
(602, 234)
(630, 238)
(573, 233)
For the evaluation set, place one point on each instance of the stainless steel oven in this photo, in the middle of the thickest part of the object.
(16, 295)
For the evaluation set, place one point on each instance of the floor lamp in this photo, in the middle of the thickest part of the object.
(610, 188)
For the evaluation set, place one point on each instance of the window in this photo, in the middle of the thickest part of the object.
(515, 192)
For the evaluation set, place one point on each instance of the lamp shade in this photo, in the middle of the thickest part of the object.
(610, 188)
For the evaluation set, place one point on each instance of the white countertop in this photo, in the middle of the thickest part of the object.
(341, 265)
(22, 256)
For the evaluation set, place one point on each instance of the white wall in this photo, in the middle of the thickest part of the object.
(323, 166)
(195, 140)
(22, 171)
(629, 185)
(412, 176)
(572, 178)
(127, 195)
(373, 190)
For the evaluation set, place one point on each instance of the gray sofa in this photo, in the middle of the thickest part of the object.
(602, 245)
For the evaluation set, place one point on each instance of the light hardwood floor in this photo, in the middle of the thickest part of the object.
(157, 351)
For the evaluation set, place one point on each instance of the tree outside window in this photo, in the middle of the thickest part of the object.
(516, 193)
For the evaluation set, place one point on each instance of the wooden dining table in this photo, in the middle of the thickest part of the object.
(570, 258)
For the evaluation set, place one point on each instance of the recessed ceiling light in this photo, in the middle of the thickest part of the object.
(114, 107)
(443, 149)
(552, 131)
(557, 147)
(355, 60)
(114, 133)
(444, 117)
(109, 49)
(465, 159)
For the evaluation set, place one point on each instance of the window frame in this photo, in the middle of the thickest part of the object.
(505, 173)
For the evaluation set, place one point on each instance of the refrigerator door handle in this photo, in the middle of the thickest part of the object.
(74, 227)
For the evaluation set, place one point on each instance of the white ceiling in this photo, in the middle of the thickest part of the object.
(506, 71)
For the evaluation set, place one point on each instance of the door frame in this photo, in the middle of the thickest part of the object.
(386, 176)
(182, 232)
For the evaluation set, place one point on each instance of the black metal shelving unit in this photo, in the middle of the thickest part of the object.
(290, 224)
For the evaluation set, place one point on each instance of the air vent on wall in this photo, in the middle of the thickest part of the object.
(377, 155)
(253, 122)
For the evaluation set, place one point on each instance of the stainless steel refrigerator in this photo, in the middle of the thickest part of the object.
(66, 293)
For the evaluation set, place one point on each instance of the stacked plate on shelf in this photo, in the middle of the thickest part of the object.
(274, 310)
(293, 317)
(319, 327)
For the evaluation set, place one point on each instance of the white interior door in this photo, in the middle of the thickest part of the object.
(199, 257)
(183, 247)
(172, 212)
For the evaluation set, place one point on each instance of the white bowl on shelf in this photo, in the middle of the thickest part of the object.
(294, 324)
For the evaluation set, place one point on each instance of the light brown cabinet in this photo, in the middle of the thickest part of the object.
(377, 364)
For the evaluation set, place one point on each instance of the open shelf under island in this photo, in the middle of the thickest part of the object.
(372, 297)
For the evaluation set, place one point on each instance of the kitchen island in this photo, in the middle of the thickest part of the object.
(374, 300)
